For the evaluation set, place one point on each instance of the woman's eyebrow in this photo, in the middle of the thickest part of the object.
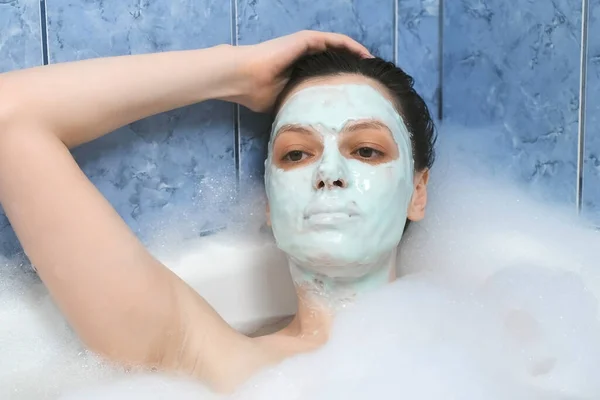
(296, 129)
(371, 124)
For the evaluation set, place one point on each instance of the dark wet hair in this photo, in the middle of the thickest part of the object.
(399, 84)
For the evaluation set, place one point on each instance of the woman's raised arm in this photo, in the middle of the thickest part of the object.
(122, 302)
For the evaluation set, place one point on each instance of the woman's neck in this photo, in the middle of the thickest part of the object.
(321, 297)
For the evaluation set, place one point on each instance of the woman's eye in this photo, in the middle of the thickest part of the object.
(295, 156)
(367, 152)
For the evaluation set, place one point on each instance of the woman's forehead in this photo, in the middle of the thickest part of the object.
(338, 80)
(333, 106)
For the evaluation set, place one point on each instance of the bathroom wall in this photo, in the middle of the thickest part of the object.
(591, 171)
(20, 35)
(514, 67)
(172, 161)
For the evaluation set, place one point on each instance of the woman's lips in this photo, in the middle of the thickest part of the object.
(334, 218)
(328, 214)
(330, 208)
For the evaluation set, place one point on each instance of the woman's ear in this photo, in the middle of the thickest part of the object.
(416, 208)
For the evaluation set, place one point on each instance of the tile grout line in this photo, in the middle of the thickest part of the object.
(44, 32)
(440, 94)
(395, 38)
(236, 107)
(582, 104)
(237, 144)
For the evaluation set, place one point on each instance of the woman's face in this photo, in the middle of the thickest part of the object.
(339, 175)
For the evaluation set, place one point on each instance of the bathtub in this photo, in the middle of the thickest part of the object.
(250, 287)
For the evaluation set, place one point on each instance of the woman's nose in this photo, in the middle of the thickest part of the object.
(331, 173)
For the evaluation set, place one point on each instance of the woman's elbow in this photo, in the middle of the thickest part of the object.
(15, 110)
(7, 105)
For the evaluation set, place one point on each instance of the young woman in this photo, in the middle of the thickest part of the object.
(348, 160)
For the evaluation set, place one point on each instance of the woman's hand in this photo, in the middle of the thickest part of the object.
(264, 68)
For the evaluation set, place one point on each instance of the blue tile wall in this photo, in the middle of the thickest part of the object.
(514, 67)
(509, 69)
(418, 52)
(180, 162)
(369, 21)
(20, 34)
(591, 172)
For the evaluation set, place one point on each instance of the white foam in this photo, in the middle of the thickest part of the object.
(498, 300)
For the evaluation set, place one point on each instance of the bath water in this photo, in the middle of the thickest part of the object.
(497, 299)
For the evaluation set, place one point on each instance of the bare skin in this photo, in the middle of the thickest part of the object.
(123, 303)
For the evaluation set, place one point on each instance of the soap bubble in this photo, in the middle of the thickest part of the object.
(497, 299)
